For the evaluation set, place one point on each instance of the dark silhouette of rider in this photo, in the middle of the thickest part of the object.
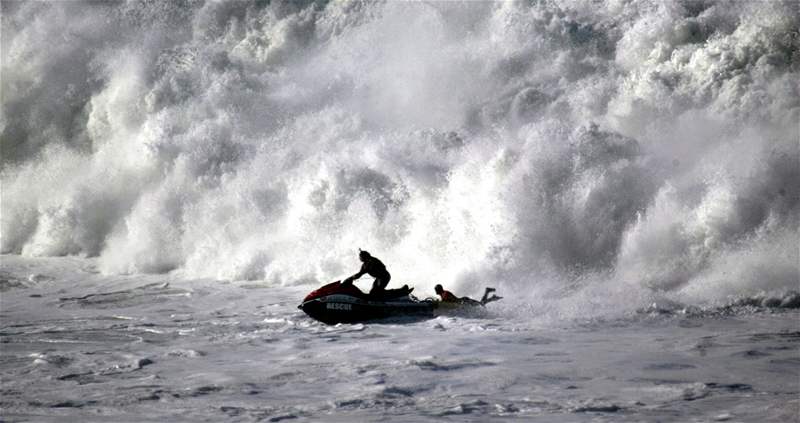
(375, 268)
(448, 297)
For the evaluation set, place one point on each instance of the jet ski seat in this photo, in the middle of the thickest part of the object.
(394, 293)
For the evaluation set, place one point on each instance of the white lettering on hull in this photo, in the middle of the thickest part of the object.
(339, 306)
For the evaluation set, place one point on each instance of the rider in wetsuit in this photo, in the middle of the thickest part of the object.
(448, 297)
(375, 268)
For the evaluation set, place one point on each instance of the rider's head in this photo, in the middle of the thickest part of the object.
(438, 289)
(363, 255)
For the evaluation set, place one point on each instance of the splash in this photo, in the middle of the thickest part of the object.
(552, 149)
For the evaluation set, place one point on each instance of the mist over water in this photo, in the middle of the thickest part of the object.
(608, 153)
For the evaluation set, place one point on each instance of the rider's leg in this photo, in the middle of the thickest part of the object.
(486, 299)
(490, 299)
(378, 286)
(486, 295)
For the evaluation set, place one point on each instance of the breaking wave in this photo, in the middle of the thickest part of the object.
(574, 149)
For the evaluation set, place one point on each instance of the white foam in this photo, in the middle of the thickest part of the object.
(555, 152)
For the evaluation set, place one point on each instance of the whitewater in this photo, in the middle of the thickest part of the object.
(176, 176)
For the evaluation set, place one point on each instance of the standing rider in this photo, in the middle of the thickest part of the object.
(374, 268)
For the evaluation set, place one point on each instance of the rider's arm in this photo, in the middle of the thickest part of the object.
(359, 274)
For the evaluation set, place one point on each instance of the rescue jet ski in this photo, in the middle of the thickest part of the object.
(338, 303)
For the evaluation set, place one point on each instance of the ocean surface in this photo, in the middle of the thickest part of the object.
(79, 346)
(175, 176)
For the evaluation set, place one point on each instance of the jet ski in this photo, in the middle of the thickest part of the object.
(338, 303)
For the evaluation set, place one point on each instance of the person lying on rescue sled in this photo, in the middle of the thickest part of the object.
(375, 268)
(448, 297)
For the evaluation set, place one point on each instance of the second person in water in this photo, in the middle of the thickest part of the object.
(448, 297)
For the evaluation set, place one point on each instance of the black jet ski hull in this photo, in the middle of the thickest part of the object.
(333, 310)
(334, 303)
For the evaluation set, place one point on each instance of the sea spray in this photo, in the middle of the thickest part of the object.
(567, 150)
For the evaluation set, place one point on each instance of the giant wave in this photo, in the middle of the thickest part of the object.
(572, 149)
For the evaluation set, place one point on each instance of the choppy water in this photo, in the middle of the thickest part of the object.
(627, 174)
(80, 346)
